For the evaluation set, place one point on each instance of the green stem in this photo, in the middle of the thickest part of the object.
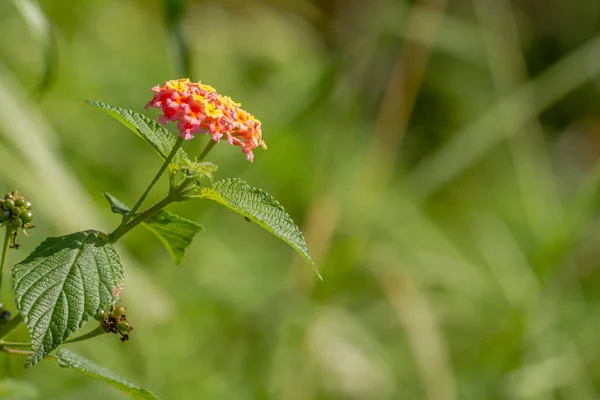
(207, 149)
(7, 236)
(162, 169)
(15, 351)
(96, 332)
(14, 344)
(138, 219)
(10, 325)
(121, 229)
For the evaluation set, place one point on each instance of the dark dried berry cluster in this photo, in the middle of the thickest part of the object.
(15, 213)
(115, 321)
(4, 315)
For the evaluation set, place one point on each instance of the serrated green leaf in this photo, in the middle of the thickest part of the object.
(260, 207)
(63, 283)
(161, 140)
(175, 232)
(69, 359)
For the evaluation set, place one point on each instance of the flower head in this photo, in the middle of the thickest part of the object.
(198, 108)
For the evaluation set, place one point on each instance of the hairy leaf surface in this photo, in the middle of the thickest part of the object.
(260, 207)
(63, 283)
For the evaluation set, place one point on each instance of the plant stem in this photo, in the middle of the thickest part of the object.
(15, 351)
(15, 344)
(7, 236)
(10, 325)
(121, 229)
(162, 169)
(207, 149)
(138, 219)
(96, 332)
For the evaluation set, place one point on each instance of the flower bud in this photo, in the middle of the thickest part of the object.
(8, 196)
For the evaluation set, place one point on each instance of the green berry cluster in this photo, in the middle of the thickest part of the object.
(115, 321)
(15, 211)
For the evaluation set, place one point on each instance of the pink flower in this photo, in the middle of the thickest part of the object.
(198, 108)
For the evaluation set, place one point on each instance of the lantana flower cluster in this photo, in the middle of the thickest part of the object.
(198, 108)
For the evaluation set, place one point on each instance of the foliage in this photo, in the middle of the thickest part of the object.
(440, 157)
(69, 279)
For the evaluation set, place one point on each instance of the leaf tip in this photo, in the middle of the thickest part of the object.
(32, 360)
(318, 273)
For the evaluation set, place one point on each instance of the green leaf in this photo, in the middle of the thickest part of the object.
(260, 207)
(161, 140)
(69, 359)
(200, 170)
(63, 283)
(175, 232)
(116, 205)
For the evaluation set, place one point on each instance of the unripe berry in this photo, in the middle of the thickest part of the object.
(8, 204)
(8, 196)
(19, 202)
(100, 315)
(118, 312)
(16, 222)
(26, 217)
(16, 211)
(28, 205)
(5, 216)
(123, 327)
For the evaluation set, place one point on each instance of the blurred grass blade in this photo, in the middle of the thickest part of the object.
(12, 389)
(476, 139)
(174, 13)
(69, 359)
(41, 28)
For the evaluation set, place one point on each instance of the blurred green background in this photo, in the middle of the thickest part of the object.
(440, 155)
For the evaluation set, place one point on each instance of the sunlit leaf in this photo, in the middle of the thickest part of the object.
(161, 140)
(69, 359)
(63, 283)
(259, 207)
